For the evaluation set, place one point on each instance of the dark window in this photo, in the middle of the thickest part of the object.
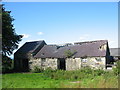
(30, 62)
(98, 59)
(43, 59)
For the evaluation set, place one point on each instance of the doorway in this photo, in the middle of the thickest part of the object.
(25, 65)
(62, 64)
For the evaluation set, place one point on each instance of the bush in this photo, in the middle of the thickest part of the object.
(36, 69)
(99, 72)
(69, 53)
(75, 74)
(7, 64)
(68, 75)
(116, 70)
(87, 70)
(49, 70)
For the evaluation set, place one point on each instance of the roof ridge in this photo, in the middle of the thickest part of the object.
(34, 41)
(90, 41)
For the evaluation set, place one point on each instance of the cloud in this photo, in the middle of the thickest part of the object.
(26, 35)
(40, 33)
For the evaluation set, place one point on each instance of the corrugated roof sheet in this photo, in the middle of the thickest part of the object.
(115, 51)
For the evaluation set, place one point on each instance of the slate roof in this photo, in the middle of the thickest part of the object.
(115, 51)
(29, 47)
(81, 50)
(46, 51)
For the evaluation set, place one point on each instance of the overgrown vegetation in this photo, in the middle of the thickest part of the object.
(76, 74)
(116, 70)
(83, 78)
(36, 69)
(7, 64)
(69, 53)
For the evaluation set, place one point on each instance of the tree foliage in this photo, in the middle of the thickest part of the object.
(10, 39)
(69, 53)
(7, 64)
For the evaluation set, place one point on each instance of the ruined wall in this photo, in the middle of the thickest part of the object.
(73, 64)
(34, 62)
(94, 62)
(43, 63)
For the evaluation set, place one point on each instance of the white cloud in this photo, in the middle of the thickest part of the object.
(40, 33)
(26, 35)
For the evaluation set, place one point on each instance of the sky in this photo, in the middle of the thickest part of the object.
(65, 22)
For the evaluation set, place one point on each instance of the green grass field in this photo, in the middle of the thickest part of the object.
(60, 79)
(29, 80)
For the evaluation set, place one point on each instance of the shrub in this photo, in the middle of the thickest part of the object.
(7, 64)
(75, 74)
(49, 70)
(36, 69)
(68, 75)
(87, 70)
(69, 53)
(98, 72)
(116, 69)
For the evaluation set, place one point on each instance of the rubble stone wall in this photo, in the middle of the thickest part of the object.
(43, 63)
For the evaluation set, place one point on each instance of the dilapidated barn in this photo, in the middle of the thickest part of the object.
(25, 53)
(94, 54)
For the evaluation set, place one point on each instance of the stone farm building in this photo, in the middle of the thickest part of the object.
(115, 53)
(94, 54)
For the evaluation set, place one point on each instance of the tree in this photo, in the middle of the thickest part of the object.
(69, 53)
(7, 64)
(10, 39)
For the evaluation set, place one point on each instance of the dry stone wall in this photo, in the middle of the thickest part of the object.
(43, 63)
(94, 62)
(73, 64)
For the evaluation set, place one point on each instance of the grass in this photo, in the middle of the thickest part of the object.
(0, 80)
(29, 80)
(61, 79)
(97, 82)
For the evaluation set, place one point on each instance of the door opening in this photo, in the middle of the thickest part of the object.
(62, 64)
(25, 65)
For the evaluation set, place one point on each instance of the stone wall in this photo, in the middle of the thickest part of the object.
(73, 64)
(94, 62)
(43, 63)
(34, 62)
